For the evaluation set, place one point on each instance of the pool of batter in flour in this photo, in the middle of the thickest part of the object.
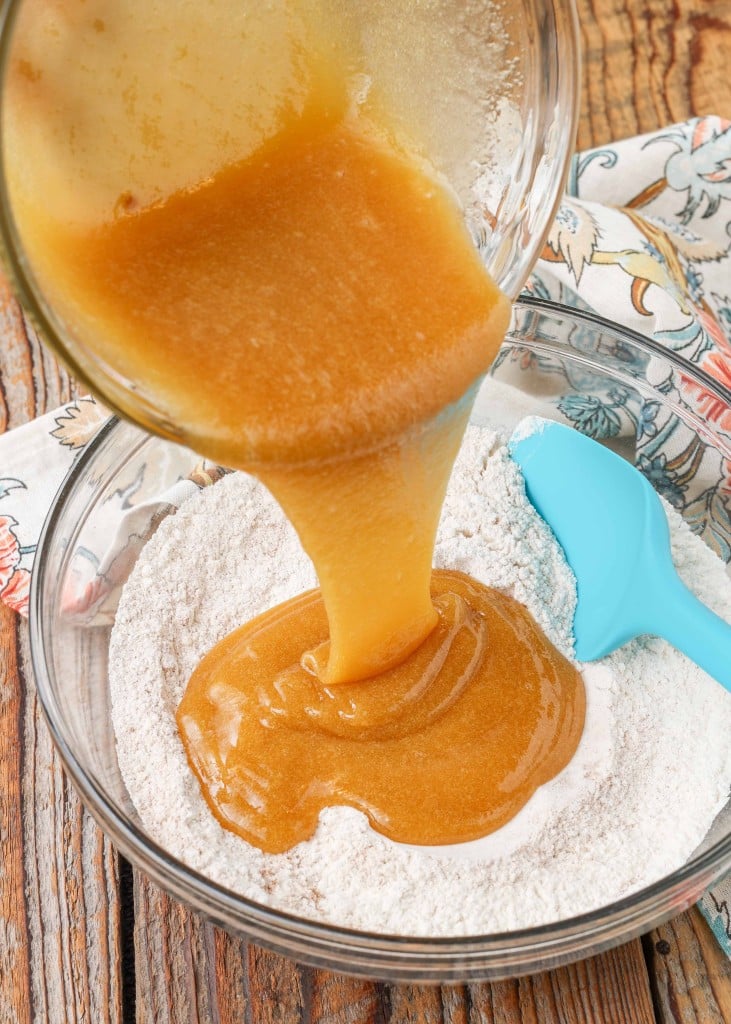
(623, 814)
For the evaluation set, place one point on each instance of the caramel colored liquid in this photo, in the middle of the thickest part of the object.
(318, 315)
(446, 747)
(320, 298)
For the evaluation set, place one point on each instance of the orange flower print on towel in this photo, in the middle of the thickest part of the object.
(713, 408)
(17, 592)
(14, 581)
(718, 337)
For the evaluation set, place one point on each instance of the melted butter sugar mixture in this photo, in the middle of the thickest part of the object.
(443, 748)
(317, 315)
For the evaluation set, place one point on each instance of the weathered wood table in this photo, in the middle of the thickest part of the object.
(85, 938)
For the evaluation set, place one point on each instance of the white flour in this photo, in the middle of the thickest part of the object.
(652, 770)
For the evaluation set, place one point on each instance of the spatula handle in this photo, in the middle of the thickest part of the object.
(697, 631)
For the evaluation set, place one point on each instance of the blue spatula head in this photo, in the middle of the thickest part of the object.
(611, 526)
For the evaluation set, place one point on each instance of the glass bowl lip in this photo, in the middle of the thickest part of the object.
(592, 320)
(475, 955)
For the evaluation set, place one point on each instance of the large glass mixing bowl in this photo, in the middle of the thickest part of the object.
(555, 361)
(112, 105)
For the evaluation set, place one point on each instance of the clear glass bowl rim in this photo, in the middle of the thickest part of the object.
(393, 957)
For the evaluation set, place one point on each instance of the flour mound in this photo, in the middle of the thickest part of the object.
(651, 772)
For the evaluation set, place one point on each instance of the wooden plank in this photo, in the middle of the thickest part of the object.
(15, 947)
(71, 874)
(173, 961)
(612, 988)
(274, 988)
(335, 998)
(192, 973)
(31, 380)
(691, 976)
(649, 63)
(59, 906)
(230, 972)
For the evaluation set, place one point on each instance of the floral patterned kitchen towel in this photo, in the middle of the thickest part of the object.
(34, 459)
(643, 238)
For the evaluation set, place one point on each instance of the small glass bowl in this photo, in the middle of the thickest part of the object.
(550, 355)
(103, 103)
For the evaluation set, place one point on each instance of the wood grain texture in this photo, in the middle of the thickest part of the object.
(71, 876)
(613, 987)
(192, 973)
(648, 63)
(175, 973)
(15, 947)
(691, 979)
(59, 912)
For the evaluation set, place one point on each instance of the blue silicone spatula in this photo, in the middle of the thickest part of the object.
(614, 533)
